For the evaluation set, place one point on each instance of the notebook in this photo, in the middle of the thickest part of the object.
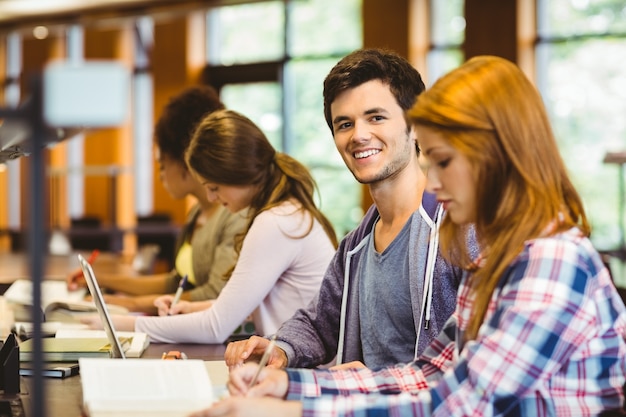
(67, 350)
(138, 342)
(51, 370)
(116, 347)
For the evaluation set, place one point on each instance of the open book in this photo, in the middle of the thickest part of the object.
(144, 387)
(57, 303)
(25, 329)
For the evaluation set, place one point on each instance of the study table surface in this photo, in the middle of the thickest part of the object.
(64, 396)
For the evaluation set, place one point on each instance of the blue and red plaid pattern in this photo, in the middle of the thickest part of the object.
(552, 344)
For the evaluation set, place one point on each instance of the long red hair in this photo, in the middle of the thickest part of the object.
(490, 112)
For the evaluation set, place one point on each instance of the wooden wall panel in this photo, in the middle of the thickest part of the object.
(491, 28)
(177, 61)
(112, 147)
(386, 25)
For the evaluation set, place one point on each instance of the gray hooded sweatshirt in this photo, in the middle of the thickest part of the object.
(329, 327)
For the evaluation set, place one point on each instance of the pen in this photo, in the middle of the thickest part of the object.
(90, 260)
(264, 359)
(179, 293)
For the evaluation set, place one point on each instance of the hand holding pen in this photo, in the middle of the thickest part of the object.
(263, 362)
(179, 293)
(77, 277)
(258, 378)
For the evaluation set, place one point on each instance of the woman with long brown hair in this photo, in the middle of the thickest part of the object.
(283, 252)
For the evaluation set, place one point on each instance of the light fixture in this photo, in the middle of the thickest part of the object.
(40, 32)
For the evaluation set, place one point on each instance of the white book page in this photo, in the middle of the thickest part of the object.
(21, 291)
(144, 385)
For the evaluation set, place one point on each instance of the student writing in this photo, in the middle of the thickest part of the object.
(284, 252)
(205, 248)
(539, 327)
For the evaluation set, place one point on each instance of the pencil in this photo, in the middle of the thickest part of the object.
(179, 293)
(90, 260)
(264, 359)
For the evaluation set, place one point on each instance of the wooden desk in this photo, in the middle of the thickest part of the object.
(64, 396)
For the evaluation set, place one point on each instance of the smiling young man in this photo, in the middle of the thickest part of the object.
(387, 293)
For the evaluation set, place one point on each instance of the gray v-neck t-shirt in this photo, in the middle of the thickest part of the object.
(387, 327)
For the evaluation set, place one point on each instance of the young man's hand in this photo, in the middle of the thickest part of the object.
(237, 353)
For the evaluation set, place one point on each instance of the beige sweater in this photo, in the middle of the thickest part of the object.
(213, 252)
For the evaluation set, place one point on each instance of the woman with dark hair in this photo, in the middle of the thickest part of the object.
(205, 247)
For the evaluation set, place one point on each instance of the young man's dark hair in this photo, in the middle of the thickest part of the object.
(373, 64)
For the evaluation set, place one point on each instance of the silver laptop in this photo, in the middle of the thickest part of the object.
(116, 347)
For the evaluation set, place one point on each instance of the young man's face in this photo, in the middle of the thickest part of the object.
(371, 132)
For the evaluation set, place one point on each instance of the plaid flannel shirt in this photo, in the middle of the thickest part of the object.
(552, 343)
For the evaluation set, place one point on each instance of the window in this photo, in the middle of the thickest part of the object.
(273, 73)
(580, 72)
(447, 36)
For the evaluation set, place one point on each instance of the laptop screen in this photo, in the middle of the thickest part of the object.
(98, 299)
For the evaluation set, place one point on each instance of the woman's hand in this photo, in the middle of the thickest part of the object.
(93, 321)
(270, 382)
(75, 280)
(164, 305)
